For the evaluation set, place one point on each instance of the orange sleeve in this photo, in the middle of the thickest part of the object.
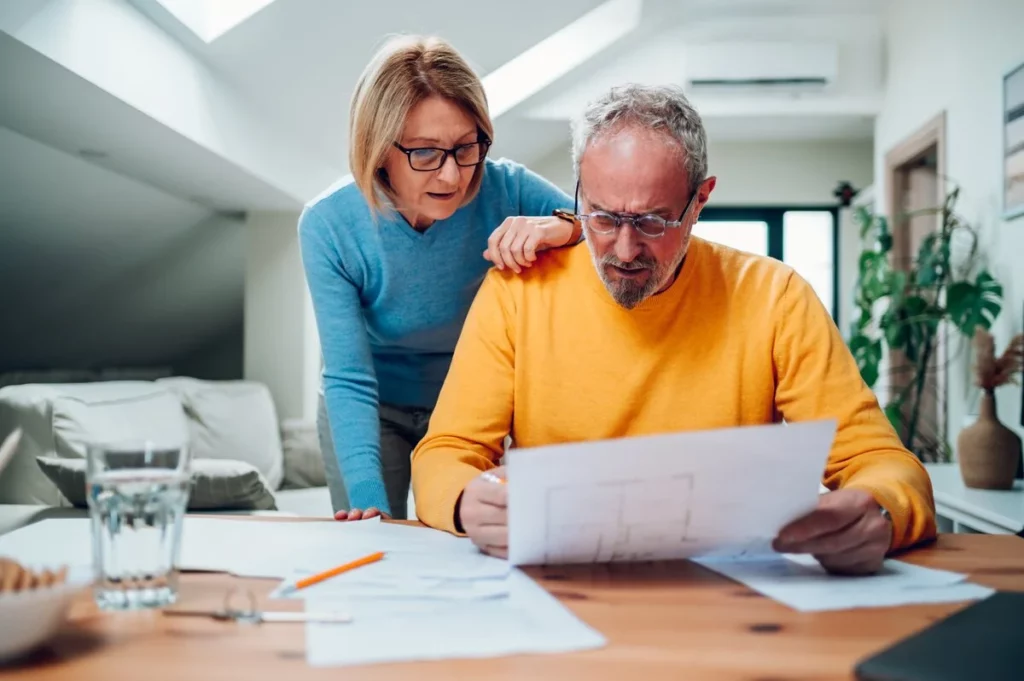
(818, 378)
(474, 409)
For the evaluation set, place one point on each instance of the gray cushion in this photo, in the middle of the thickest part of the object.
(303, 463)
(61, 420)
(217, 484)
(231, 420)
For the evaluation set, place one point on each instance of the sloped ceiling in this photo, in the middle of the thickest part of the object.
(130, 148)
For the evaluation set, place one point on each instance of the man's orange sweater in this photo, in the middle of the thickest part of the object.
(549, 357)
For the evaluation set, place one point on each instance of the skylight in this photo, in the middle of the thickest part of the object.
(527, 74)
(210, 20)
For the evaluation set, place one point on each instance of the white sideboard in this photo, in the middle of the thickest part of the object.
(962, 509)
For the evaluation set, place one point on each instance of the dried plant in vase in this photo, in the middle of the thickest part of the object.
(989, 452)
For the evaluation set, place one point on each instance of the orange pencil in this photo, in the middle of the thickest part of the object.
(333, 572)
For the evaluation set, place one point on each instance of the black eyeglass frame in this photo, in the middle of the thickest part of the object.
(445, 153)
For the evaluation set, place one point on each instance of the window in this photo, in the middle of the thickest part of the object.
(750, 236)
(805, 238)
(210, 19)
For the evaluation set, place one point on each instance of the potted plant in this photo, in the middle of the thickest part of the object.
(989, 452)
(904, 309)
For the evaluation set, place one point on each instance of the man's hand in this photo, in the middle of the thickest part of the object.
(483, 512)
(359, 514)
(847, 533)
(515, 243)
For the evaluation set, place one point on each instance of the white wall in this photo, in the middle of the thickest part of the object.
(762, 173)
(281, 345)
(952, 56)
(786, 173)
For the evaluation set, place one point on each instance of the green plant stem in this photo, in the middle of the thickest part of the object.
(915, 412)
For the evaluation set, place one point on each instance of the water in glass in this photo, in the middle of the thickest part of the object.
(137, 498)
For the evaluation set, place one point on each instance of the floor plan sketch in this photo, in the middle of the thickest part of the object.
(661, 497)
(631, 520)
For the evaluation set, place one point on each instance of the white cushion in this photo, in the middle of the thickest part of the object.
(232, 420)
(61, 420)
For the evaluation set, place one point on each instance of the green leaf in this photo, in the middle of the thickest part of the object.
(896, 283)
(868, 262)
(868, 354)
(862, 321)
(897, 335)
(884, 235)
(894, 412)
(974, 305)
(873, 269)
(932, 260)
(908, 325)
(863, 217)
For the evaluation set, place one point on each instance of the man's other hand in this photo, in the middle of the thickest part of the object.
(846, 533)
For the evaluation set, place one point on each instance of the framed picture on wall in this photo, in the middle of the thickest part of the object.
(1013, 143)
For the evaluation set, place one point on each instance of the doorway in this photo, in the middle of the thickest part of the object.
(914, 178)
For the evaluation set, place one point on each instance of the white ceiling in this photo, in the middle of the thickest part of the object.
(135, 236)
(298, 60)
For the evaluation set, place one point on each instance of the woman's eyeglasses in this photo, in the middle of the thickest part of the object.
(433, 158)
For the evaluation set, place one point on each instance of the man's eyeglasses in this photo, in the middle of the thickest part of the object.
(650, 226)
(432, 158)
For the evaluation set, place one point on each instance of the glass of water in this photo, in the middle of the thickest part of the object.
(137, 494)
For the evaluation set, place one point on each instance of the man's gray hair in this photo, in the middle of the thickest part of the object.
(654, 107)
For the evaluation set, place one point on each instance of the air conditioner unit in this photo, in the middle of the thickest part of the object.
(745, 66)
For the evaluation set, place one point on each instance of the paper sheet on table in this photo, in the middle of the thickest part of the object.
(408, 586)
(529, 620)
(243, 547)
(253, 548)
(665, 496)
(802, 584)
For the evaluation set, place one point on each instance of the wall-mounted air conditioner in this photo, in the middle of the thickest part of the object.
(745, 66)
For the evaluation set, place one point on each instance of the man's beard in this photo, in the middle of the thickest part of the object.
(627, 292)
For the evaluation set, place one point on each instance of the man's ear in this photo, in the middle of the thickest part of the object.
(705, 189)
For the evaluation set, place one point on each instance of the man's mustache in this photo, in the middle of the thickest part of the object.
(639, 263)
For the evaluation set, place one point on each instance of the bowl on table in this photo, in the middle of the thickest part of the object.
(34, 603)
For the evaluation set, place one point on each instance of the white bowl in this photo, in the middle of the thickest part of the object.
(30, 618)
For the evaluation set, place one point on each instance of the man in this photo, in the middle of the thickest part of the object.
(649, 330)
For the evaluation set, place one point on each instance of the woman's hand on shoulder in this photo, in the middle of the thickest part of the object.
(516, 242)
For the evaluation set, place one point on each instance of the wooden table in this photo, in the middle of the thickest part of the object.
(663, 621)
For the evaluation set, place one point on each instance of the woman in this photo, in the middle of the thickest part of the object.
(393, 260)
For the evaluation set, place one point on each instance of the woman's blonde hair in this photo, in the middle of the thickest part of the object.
(405, 71)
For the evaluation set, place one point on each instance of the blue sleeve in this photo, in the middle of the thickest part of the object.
(350, 384)
(537, 196)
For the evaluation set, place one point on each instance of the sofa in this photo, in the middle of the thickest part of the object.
(228, 420)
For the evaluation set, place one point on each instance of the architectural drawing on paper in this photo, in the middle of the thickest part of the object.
(629, 520)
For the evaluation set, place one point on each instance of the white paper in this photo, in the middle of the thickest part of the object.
(276, 549)
(410, 586)
(255, 548)
(802, 584)
(663, 496)
(67, 541)
(529, 620)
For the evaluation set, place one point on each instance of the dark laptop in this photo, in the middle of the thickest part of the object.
(983, 642)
